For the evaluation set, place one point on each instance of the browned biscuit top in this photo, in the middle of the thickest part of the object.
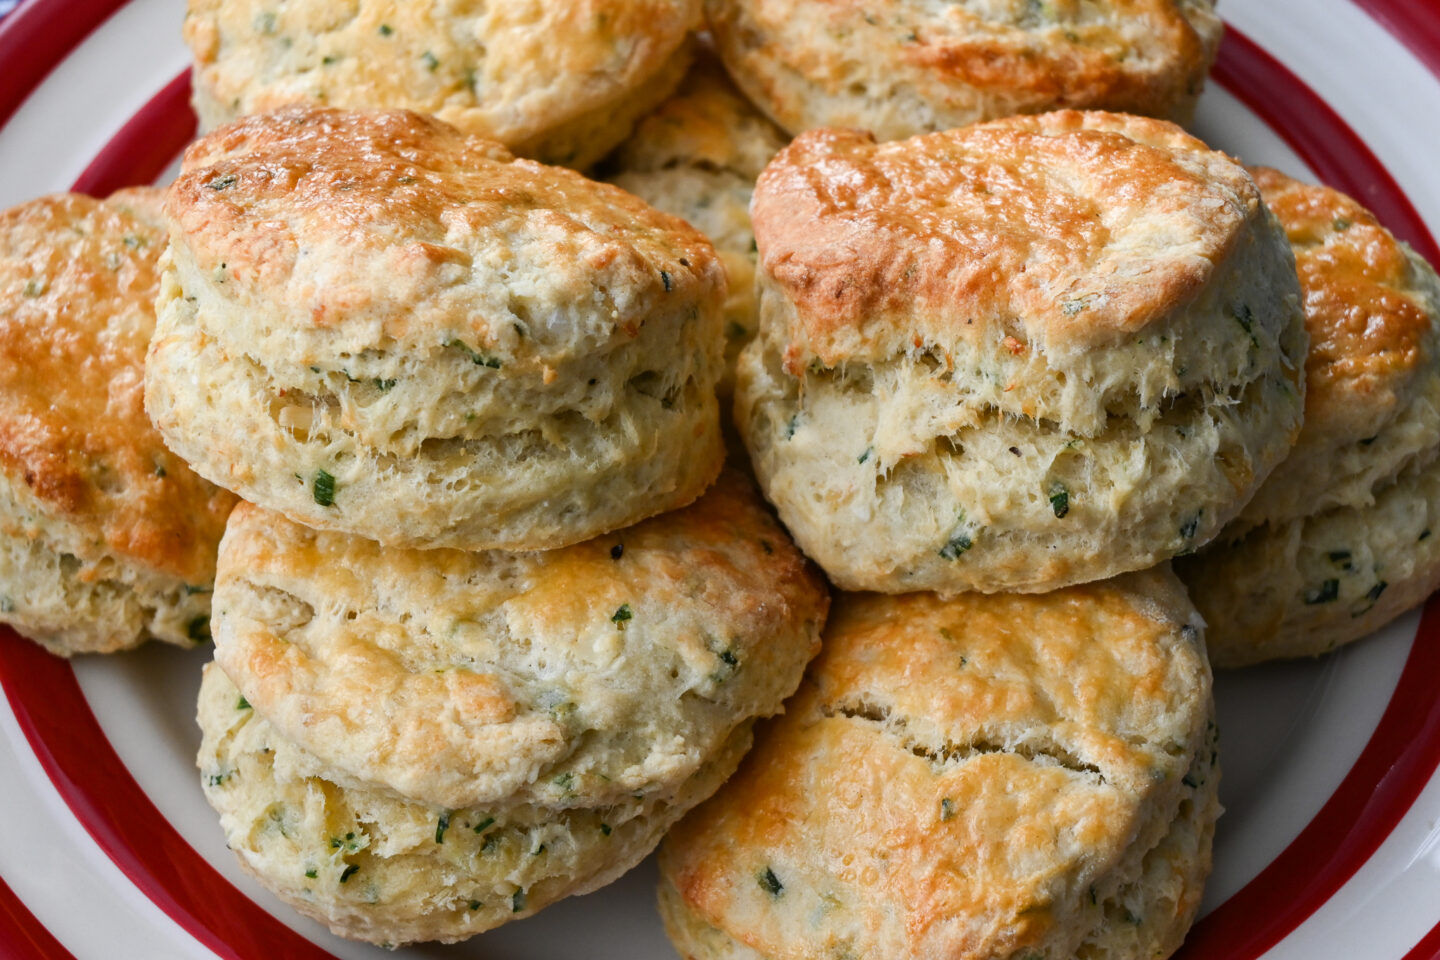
(1070, 229)
(78, 279)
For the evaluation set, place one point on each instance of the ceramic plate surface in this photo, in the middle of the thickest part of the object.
(1330, 845)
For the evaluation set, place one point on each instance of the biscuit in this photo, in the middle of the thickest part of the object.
(373, 867)
(575, 677)
(559, 82)
(1020, 355)
(372, 323)
(106, 538)
(985, 777)
(903, 68)
(1337, 542)
(697, 157)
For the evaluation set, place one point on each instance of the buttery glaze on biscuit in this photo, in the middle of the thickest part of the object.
(575, 677)
(560, 82)
(985, 777)
(907, 67)
(109, 537)
(1338, 542)
(1018, 355)
(374, 323)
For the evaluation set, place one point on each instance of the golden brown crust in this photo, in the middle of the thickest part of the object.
(442, 674)
(78, 280)
(402, 193)
(960, 779)
(1369, 328)
(900, 68)
(1093, 224)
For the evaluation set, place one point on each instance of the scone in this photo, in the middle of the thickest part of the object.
(1015, 356)
(985, 778)
(106, 538)
(447, 740)
(578, 676)
(1338, 541)
(697, 157)
(906, 67)
(371, 322)
(375, 867)
(559, 82)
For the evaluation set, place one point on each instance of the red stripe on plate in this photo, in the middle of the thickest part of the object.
(69, 743)
(23, 936)
(1415, 23)
(146, 145)
(1319, 135)
(36, 37)
(1428, 948)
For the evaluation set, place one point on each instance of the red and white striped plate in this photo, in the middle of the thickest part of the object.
(1329, 849)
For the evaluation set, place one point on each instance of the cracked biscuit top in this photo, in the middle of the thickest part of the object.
(971, 778)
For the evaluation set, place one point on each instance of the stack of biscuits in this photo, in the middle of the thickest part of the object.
(490, 614)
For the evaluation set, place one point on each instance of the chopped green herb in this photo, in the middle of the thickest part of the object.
(191, 590)
(1375, 591)
(791, 426)
(311, 873)
(328, 60)
(1072, 307)
(538, 850)
(947, 809)
(1368, 440)
(33, 288)
(242, 703)
(1188, 528)
(265, 23)
(223, 182)
(7, 605)
(474, 905)
(617, 551)
(492, 840)
(160, 470)
(727, 657)
(472, 82)
(1342, 224)
(665, 279)
(957, 544)
(1327, 592)
(135, 241)
(441, 826)
(866, 455)
(430, 61)
(769, 882)
(517, 901)
(1339, 556)
(349, 872)
(483, 825)
(384, 386)
(566, 783)
(386, 29)
(622, 615)
(605, 829)
(323, 488)
(479, 359)
(198, 629)
(1060, 499)
(215, 779)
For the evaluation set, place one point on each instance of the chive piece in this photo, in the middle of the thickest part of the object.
(216, 779)
(386, 29)
(134, 241)
(483, 824)
(1339, 556)
(622, 615)
(311, 873)
(242, 703)
(7, 605)
(792, 426)
(566, 783)
(665, 279)
(33, 288)
(1328, 591)
(1188, 528)
(191, 590)
(605, 829)
(477, 358)
(947, 809)
(770, 883)
(1342, 223)
(324, 488)
(956, 545)
(441, 826)
(517, 901)
(198, 630)
(866, 455)
(617, 551)
(384, 386)
(1072, 307)
(1376, 590)
(727, 657)
(160, 470)
(223, 182)
(430, 61)
(474, 905)
(1244, 317)
(1060, 500)
(349, 872)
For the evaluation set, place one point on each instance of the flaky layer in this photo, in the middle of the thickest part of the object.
(561, 82)
(975, 778)
(372, 867)
(574, 677)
